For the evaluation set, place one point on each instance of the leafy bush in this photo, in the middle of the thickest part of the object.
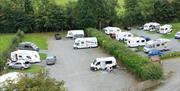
(170, 55)
(14, 42)
(38, 82)
(139, 65)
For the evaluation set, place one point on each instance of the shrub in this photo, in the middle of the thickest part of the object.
(170, 55)
(139, 65)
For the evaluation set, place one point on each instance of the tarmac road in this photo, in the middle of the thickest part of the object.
(73, 66)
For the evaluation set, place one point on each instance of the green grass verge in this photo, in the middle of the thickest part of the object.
(63, 2)
(33, 69)
(43, 56)
(175, 29)
(38, 38)
(5, 40)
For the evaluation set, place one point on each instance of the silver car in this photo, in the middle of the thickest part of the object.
(51, 60)
(20, 64)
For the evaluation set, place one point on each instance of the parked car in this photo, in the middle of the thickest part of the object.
(146, 38)
(28, 46)
(103, 63)
(20, 64)
(155, 52)
(177, 35)
(51, 60)
(57, 36)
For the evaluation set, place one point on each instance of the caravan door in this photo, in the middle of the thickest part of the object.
(82, 44)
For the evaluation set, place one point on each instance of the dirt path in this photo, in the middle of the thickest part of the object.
(73, 66)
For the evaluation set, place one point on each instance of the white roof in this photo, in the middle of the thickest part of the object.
(86, 38)
(76, 31)
(105, 58)
(14, 76)
(135, 38)
(166, 25)
(158, 41)
(25, 52)
(152, 23)
(124, 32)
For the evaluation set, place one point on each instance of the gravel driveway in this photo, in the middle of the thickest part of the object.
(73, 67)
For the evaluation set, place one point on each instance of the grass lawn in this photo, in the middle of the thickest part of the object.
(63, 2)
(175, 29)
(43, 56)
(5, 40)
(33, 69)
(39, 39)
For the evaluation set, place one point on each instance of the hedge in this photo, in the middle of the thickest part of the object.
(5, 54)
(137, 64)
(170, 55)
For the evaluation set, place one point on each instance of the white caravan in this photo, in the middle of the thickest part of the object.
(31, 56)
(103, 63)
(151, 26)
(12, 76)
(75, 34)
(159, 44)
(136, 41)
(165, 29)
(111, 30)
(123, 36)
(88, 42)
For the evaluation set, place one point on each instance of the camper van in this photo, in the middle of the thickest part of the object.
(136, 41)
(159, 44)
(103, 63)
(122, 36)
(110, 30)
(165, 29)
(75, 34)
(32, 56)
(88, 42)
(151, 26)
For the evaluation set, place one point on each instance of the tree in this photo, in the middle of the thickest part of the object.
(39, 82)
(164, 11)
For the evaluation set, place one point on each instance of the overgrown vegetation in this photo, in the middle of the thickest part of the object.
(141, 66)
(37, 82)
(12, 45)
(170, 55)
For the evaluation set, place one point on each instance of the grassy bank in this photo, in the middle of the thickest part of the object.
(5, 40)
(38, 38)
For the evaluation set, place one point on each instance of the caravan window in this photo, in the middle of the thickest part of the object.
(20, 56)
(124, 35)
(162, 44)
(28, 57)
(148, 46)
(82, 42)
(137, 41)
(142, 40)
(129, 41)
(129, 35)
(98, 63)
(158, 45)
(108, 62)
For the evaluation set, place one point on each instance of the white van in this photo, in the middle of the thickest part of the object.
(151, 26)
(165, 29)
(89, 42)
(110, 30)
(159, 44)
(32, 56)
(136, 41)
(103, 63)
(123, 36)
(14, 77)
(75, 34)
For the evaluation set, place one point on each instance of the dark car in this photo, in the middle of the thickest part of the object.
(57, 36)
(146, 38)
(155, 52)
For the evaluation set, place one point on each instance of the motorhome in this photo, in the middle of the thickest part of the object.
(111, 30)
(103, 63)
(151, 26)
(159, 44)
(89, 42)
(32, 56)
(75, 34)
(165, 29)
(136, 41)
(122, 36)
